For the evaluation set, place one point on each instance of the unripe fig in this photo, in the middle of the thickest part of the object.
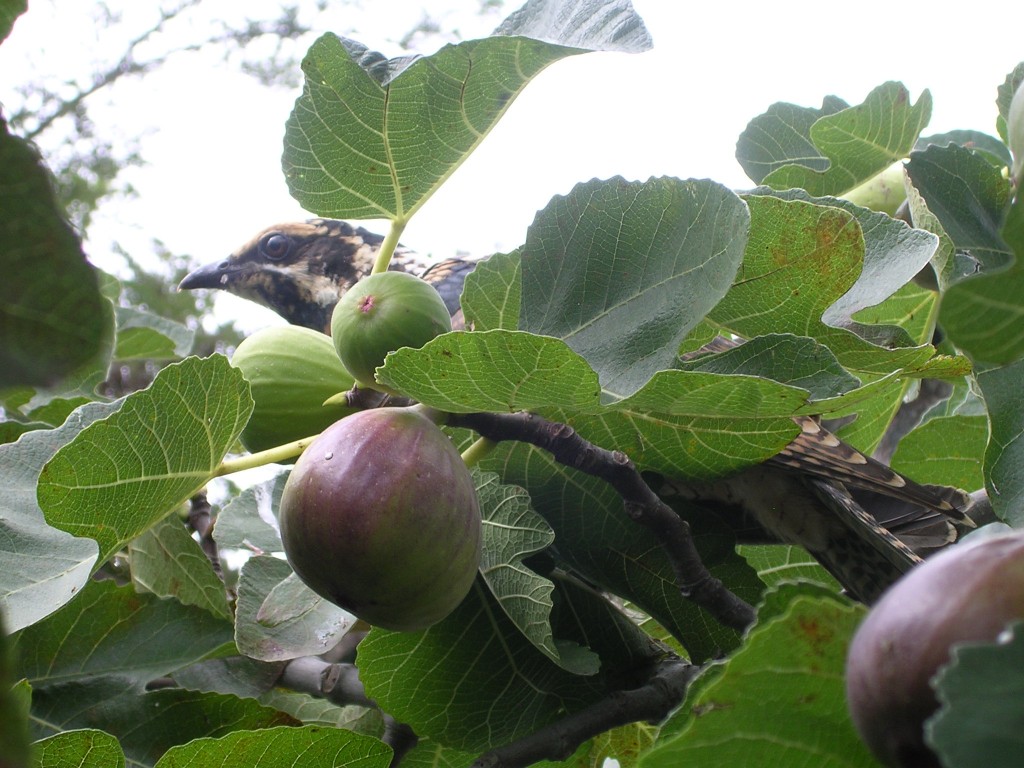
(380, 516)
(884, 192)
(291, 371)
(382, 313)
(966, 593)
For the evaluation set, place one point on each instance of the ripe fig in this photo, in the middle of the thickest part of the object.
(291, 371)
(380, 516)
(1015, 135)
(382, 313)
(966, 593)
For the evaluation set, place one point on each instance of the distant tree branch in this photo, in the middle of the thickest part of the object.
(129, 65)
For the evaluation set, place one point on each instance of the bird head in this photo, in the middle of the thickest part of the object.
(300, 270)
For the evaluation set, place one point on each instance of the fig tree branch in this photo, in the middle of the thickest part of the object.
(340, 684)
(201, 521)
(652, 701)
(641, 503)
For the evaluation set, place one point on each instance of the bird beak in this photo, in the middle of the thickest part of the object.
(216, 275)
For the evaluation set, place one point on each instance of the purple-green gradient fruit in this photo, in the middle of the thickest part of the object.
(967, 593)
(382, 313)
(1015, 135)
(291, 371)
(380, 516)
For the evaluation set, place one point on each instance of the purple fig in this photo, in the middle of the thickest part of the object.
(380, 516)
(966, 593)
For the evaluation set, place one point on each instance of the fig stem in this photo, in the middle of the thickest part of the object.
(387, 248)
(269, 456)
(478, 451)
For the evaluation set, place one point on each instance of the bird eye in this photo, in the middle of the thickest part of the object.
(276, 246)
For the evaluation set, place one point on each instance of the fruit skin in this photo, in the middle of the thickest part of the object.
(380, 516)
(884, 192)
(291, 371)
(1015, 135)
(382, 313)
(966, 593)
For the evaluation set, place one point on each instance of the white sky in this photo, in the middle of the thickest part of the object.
(213, 137)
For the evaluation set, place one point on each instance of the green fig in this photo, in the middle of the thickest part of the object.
(883, 192)
(382, 313)
(291, 372)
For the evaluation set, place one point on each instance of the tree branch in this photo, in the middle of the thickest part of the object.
(641, 503)
(340, 684)
(200, 521)
(653, 701)
(128, 65)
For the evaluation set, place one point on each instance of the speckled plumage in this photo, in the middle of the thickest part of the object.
(301, 269)
(815, 493)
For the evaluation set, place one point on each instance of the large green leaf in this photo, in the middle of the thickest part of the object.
(168, 562)
(512, 531)
(1004, 457)
(282, 748)
(855, 143)
(595, 537)
(15, 700)
(492, 371)
(694, 424)
(492, 295)
(45, 567)
(83, 748)
(948, 450)
(893, 255)
(984, 315)
(813, 266)
(981, 691)
(111, 630)
(52, 317)
(782, 696)
(782, 136)
(147, 724)
(122, 474)
(9, 11)
(622, 271)
(373, 138)
(472, 681)
(280, 618)
(968, 195)
(801, 259)
(794, 360)
(145, 336)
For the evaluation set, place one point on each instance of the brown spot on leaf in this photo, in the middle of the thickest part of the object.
(815, 635)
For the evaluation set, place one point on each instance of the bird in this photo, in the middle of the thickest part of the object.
(302, 269)
(814, 493)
